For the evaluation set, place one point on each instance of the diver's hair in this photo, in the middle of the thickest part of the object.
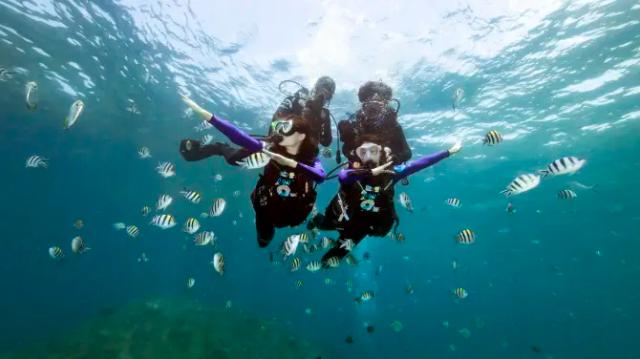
(328, 83)
(371, 88)
(309, 148)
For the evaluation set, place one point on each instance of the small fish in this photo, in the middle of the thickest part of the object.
(133, 231)
(295, 264)
(397, 236)
(492, 137)
(31, 97)
(218, 263)
(460, 293)
(144, 152)
(521, 184)
(56, 253)
(78, 245)
(203, 126)
(191, 196)
(405, 201)
(582, 186)
(314, 266)
(163, 202)
(347, 244)
(217, 177)
(567, 194)
(204, 238)
(206, 139)
(190, 283)
(119, 225)
(299, 283)
(218, 207)
(453, 202)
(465, 333)
(74, 113)
(191, 225)
(329, 281)
(36, 161)
(333, 262)
(510, 208)
(466, 236)
(351, 260)
(397, 326)
(290, 245)
(457, 97)
(254, 161)
(79, 224)
(145, 211)
(378, 270)
(166, 169)
(164, 221)
(563, 166)
(236, 194)
(409, 289)
(366, 296)
(304, 237)
(325, 242)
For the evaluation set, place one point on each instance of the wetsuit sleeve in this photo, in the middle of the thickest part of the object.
(325, 128)
(420, 164)
(235, 134)
(316, 172)
(401, 149)
(351, 176)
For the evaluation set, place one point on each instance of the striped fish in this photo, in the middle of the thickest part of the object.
(31, 95)
(567, 194)
(460, 293)
(144, 152)
(299, 283)
(295, 264)
(218, 263)
(74, 114)
(314, 266)
(36, 161)
(521, 184)
(191, 225)
(563, 166)
(163, 221)
(78, 245)
(492, 137)
(254, 161)
(333, 262)
(351, 259)
(206, 139)
(56, 253)
(132, 231)
(191, 196)
(347, 244)
(163, 202)
(366, 296)
(218, 207)
(326, 242)
(453, 202)
(166, 169)
(466, 236)
(405, 201)
(203, 126)
(304, 237)
(145, 211)
(190, 283)
(204, 238)
(290, 245)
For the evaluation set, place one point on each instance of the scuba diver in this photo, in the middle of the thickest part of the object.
(285, 193)
(378, 117)
(310, 105)
(364, 205)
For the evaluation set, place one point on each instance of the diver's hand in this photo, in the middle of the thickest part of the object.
(282, 160)
(455, 148)
(204, 114)
(382, 169)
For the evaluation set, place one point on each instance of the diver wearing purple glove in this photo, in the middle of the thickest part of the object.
(285, 193)
(364, 205)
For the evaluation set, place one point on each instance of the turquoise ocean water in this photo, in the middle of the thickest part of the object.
(555, 279)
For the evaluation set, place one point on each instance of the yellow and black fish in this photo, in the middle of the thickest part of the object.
(466, 236)
(492, 137)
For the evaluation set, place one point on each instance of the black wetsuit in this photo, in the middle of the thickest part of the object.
(386, 127)
(297, 104)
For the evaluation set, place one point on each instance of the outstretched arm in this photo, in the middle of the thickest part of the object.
(424, 162)
(316, 172)
(234, 134)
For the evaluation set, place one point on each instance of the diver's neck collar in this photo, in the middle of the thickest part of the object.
(293, 149)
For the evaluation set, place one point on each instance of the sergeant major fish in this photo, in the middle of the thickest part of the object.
(78, 245)
(521, 184)
(56, 253)
(163, 202)
(405, 201)
(191, 196)
(290, 245)
(166, 169)
(218, 263)
(204, 238)
(31, 97)
(36, 161)
(163, 221)
(567, 194)
(76, 109)
(191, 225)
(144, 152)
(492, 137)
(254, 161)
(218, 207)
(563, 166)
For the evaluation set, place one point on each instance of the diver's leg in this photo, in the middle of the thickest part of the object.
(265, 229)
(339, 252)
(327, 221)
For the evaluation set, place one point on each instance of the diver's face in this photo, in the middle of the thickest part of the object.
(374, 107)
(369, 154)
(293, 139)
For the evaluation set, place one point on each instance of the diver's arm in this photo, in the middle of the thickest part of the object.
(351, 176)
(426, 161)
(235, 134)
(316, 172)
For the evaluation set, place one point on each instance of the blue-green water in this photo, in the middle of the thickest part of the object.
(555, 279)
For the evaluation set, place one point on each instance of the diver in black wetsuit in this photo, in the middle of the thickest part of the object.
(364, 205)
(310, 105)
(375, 117)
